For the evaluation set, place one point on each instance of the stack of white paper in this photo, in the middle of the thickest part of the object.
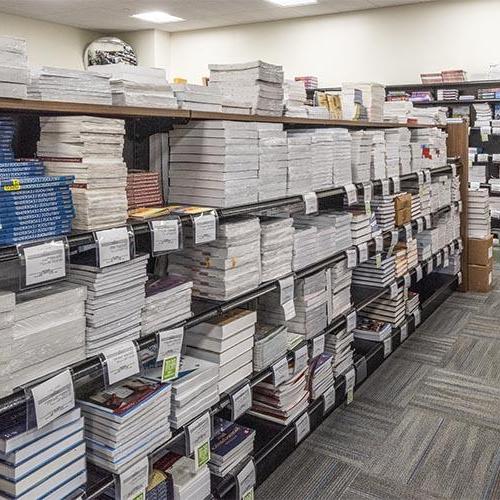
(14, 69)
(323, 152)
(361, 151)
(433, 115)
(325, 226)
(377, 165)
(305, 245)
(214, 163)
(484, 115)
(276, 247)
(299, 179)
(398, 111)
(270, 345)
(392, 144)
(295, 98)
(341, 170)
(339, 289)
(369, 274)
(198, 97)
(90, 149)
(138, 85)
(478, 214)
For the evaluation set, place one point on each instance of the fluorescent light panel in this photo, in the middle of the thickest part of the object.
(157, 17)
(292, 3)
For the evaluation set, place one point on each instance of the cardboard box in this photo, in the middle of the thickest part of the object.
(402, 201)
(403, 216)
(480, 250)
(480, 277)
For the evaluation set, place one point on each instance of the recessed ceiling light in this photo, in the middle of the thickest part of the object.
(292, 3)
(157, 17)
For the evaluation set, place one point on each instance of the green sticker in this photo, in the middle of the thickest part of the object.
(368, 208)
(248, 495)
(170, 368)
(140, 496)
(202, 455)
(378, 260)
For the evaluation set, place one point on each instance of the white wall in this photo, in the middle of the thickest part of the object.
(390, 45)
(49, 44)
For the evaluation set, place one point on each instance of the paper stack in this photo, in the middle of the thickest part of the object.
(276, 247)
(91, 149)
(373, 97)
(226, 342)
(369, 329)
(325, 226)
(338, 289)
(273, 161)
(361, 229)
(377, 165)
(323, 153)
(369, 274)
(115, 299)
(227, 267)
(305, 246)
(281, 404)
(484, 115)
(392, 145)
(14, 69)
(383, 207)
(7, 305)
(404, 151)
(214, 163)
(428, 148)
(341, 171)
(341, 223)
(416, 209)
(138, 85)
(385, 309)
(295, 98)
(230, 444)
(361, 150)
(318, 112)
(270, 345)
(230, 105)
(398, 111)
(69, 85)
(168, 302)
(198, 97)
(320, 377)
(48, 462)
(339, 346)
(299, 179)
(424, 245)
(125, 422)
(256, 82)
(478, 214)
(412, 302)
(143, 190)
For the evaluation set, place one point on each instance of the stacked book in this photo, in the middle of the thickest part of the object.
(377, 163)
(412, 302)
(432, 149)
(454, 75)
(392, 144)
(386, 310)
(339, 346)
(299, 180)
(227, 342)
(257, 83)
(273, 161)
(353, 107)
(295, 98)
(416, 207)
(478, 214)
(338, 289)
(398, 111)
(270, 345)
(421, 96)
(320, 377)
(125, 422)
(341, 224)
(198, 97)
(404, 151)
(7, 131)
(281, 404)
(361, 150)
(310, 82)
(426, 199)
(138, 85)
(383, 207)
(214, 163)
(305, 246)
(369, 274)
(43, 463)
(373, 96)
(230, 444)
(341, 170)
(143, 190)
(318, 112)
(424, 245)
(14, 69)
(224, 268)
(159, 157)
(7, 305)
(325, 226)
(276, 247)
(323, 153)
(230, 105)
(361, 229)
(115, 299)
(90, 149)
(69, 85)
(447, 94)
(401, 260)
(168, 302)
(370, 329)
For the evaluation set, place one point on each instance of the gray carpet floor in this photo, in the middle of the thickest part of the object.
(425, 425)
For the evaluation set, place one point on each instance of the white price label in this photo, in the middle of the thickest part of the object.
(289, 310)
(418, 271)
(394, 241)
(404, 332)
(329, 399)
(387, 346)
(122, 361)
(351, 321)
(53, 398)
(407, 278)
(198, 432)
(302, 427)
(475, 186)
(453, 170)
(409, 232)
(416, 315)
(113, 246)
(459, 278)
(241, 401)
(310, 202)
(164, 235)
(245, 482)
(134, 481)
(438, 259)
(427, 176)
(484, 137)
(378, 260)
(351, 194)
(446, 262)
(460, 207)
(363, 252)
(45, 262)
(430, 266)
(446, 252)
(368, 208)
(287, 289)
(379, 243)
(428, 222)
(205, 228)
(280, 372)
(352, 258)
(318, 346)
(300, 358)
(367, 192)
(394, 290)
(350, 382)
(385, 187)
(396, 184)
(169, 352)
(420, 225)
(420, 177)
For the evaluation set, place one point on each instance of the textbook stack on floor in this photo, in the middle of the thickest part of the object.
(276, 247)
(198, 97)
(14, 69)
(90, 149)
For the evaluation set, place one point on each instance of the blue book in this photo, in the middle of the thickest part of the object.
(228, 436)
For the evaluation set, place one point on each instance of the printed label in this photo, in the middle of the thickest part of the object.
(113, 246)
(45, 262)
(311, 203)
(302, 427)
(122, 361)
(205, 228)
(164, 235)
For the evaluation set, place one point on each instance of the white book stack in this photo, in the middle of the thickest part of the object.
(404, 151)
(428, 148)
(257, 83)
(454, 267)
(430, 237)
(401, 260)
(295, 98)
(115, 298)
(339, 289)
(424, 245)
(325, 226)
(361, 150)
(361, 228)
(385, 309)
(477, 173)
(214, 163)
(305, 246)
(47, 331)
(138, 85)
(230, 105)
(342, 174)
(198, 97)
(90, 149)
(341, 223)
(323, 153)
(226, 342)
(270, 345)
(168, 302)
(318, 112)
(425, 199)
(14, 69)
(320, 375)
(412, 302)
(373, 95)
(7, 306)
(276, 247)
(353, 107)
(383, 207)
(397, 111)
(416, 208)
(69, 85)
(478, 214)
(299, 179)
(273, 161)
(411, 249)
(369, 274)
(430, 115)
(377, 164)
(159, 157)
(484, 115)
(392, 144)
(339, 346)
(227, 267)
(48, 462)
(126, 422)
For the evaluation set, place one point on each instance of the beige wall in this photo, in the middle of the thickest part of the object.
(48, 43)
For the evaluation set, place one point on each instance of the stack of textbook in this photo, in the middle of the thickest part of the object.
(305, 244)
(14, 69)
(360, 227)
(295, 98)
(7, 305)
(368, 329)
(276, 247)
(214, 163)
(143, 189)
(341, 165)
(361, 150)
(90, 149)
(377, 165)
(326, 234)
(383, 207)
(270, 345)
(198, 97)
(386, 309)
(338, 289)
(392, 145)
(125, 422)
(299, 154)
(339, 346)
(320, 375)
(323, 154)
(43, 463)
(138, 85)
(371, 274)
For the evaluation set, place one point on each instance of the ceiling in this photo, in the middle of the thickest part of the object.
(114, 15)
